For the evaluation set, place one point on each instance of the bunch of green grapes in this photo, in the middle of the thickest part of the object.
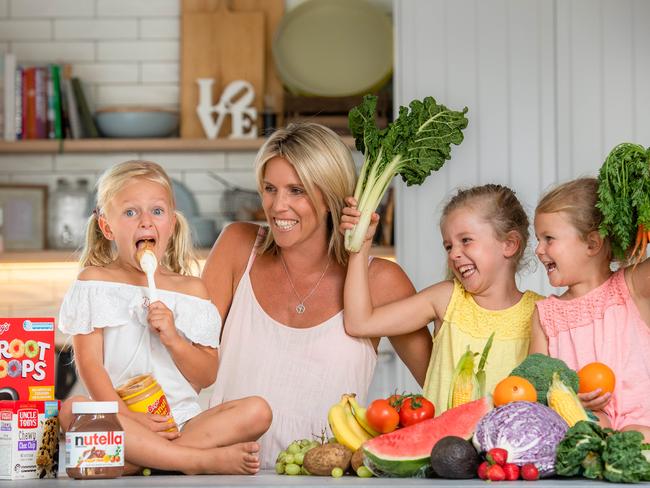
(290, 460)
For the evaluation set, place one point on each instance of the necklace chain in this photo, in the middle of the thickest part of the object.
(300, 308)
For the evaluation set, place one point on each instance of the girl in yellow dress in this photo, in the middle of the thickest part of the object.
(485, 233)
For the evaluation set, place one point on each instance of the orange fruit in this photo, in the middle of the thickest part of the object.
(514, 389)
(596, 375)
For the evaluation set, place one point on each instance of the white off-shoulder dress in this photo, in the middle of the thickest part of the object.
(300, 372)
(130, 347)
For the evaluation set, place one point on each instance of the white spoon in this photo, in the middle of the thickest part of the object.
(148, 264)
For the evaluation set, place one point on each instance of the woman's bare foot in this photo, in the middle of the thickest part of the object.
(242, 458)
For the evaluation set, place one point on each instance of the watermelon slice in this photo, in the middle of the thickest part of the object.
(406, 452)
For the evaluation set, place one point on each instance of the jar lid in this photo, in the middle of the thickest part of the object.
(94, 407)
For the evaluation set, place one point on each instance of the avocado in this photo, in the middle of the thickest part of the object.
(454, 458)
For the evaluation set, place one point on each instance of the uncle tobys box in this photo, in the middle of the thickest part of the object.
(29, 439)
(27, 359)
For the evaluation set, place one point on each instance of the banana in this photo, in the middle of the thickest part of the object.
(355, 427)
(360, 415)
(340, 427)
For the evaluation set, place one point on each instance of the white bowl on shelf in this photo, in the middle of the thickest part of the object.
(136, 122)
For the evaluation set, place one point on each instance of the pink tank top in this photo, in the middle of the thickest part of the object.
(301, 373)
(604, 325)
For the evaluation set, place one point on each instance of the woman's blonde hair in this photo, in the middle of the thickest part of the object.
(577, 199)
(500, 207)
(99, 251)
(323, 162)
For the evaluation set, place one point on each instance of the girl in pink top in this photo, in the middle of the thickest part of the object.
(603, 315)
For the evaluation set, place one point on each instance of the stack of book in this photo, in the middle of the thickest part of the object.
(42, 102)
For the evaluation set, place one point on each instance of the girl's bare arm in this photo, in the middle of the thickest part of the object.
(362, 318)
(538, 339)
(88, 356)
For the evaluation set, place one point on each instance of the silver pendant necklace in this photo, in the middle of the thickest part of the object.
(300, 308)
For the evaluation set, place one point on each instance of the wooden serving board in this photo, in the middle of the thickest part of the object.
(220, 44)
(273, 13)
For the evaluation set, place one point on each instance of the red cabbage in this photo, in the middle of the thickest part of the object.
(529, 431)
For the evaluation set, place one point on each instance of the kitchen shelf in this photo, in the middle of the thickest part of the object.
(68, 256)
(47, 146)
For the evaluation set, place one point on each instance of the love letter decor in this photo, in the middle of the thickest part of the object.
(235, 100)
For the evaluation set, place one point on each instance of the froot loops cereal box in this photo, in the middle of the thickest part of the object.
(27, 359)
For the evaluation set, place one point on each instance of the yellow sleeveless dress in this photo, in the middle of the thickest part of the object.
(467, 324)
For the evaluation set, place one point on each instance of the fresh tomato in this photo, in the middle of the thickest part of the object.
(414, 410)
(395, 401)
(381, 416)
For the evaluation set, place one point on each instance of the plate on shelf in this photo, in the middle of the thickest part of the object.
(335, 48)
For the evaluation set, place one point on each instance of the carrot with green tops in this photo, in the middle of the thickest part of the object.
(624, 200)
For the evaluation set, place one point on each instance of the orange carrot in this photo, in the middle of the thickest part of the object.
(639, 235)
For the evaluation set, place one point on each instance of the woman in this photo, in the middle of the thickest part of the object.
(281, 289)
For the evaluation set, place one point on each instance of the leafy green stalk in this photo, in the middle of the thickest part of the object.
(624, 196)
(480, 372)
(416, 143)
(598, 453)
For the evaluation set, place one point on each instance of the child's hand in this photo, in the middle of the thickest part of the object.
(593, 400)
(351, 216)
(161, 321)
(157, 423)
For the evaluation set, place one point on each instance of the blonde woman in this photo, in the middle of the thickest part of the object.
(281, 288)
(117, 334)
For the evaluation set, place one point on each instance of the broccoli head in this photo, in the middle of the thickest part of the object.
(539, 369)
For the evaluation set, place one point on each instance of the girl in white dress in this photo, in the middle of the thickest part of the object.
(118, 334)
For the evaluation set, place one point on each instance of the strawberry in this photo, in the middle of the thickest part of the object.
(482, 470)
(495, 473)
(529, 472)
(496, 455)
(511, 471)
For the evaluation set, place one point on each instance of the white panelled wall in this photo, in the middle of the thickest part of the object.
(551, 87)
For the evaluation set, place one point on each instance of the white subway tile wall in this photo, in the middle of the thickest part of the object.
(126, 52)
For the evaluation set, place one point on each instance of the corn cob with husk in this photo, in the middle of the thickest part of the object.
(565, 402)
(466, 385)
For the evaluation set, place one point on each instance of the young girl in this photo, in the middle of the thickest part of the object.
(484, 231)
(118, 334)
(602, 316)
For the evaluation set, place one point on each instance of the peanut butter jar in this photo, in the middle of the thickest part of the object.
(143, 394)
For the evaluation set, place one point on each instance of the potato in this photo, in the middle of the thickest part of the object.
(357, 459)
(321, 460)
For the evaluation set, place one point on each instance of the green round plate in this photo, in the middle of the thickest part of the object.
(334, 48)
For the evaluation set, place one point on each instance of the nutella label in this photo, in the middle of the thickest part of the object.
(94, 449)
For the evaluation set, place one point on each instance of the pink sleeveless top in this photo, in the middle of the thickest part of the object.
(301, 373)
(604, 325)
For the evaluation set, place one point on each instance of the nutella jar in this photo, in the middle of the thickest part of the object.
(94, 443)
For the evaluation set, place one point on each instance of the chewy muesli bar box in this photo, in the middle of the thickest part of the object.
(27, 358)
(29, 439)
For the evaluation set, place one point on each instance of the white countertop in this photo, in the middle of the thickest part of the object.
(270, 479)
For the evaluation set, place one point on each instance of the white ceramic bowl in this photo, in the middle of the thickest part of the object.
(136, 122)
